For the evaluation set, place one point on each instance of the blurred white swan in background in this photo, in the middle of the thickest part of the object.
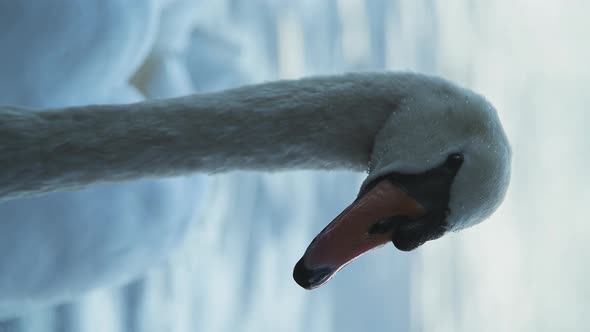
(75, 52)
(438, 160)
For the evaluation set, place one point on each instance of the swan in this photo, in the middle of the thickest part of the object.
(436, 155)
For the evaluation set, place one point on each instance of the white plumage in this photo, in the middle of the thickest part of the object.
(394, 122)
(387, 122)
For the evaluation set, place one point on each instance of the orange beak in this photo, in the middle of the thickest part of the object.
(353, 233)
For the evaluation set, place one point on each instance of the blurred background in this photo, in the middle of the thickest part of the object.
(229, 266)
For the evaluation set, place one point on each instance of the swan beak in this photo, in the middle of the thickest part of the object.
(368, 223)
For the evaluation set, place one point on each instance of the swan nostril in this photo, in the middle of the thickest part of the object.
(387, 225)
(381, 227)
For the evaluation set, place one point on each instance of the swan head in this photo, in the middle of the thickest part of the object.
(439, 163)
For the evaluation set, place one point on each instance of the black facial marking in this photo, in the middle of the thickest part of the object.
(412, 234)
(432, 190)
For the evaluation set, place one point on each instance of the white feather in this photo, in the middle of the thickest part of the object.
(394, 122)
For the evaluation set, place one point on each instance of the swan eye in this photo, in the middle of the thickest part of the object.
(455, 160)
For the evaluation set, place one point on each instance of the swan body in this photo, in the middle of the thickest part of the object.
(404, 124)
(72, 42)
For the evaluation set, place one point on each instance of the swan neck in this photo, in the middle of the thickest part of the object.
(306, 124)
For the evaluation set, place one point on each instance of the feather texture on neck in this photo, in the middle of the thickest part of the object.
(315, 123)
